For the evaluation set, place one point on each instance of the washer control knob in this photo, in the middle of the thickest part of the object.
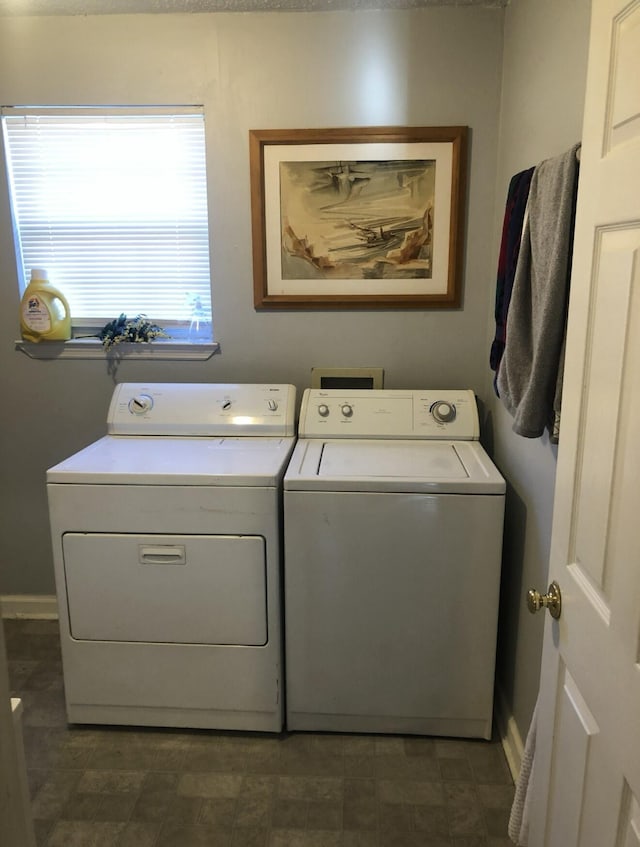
(323, 410)
(273, 405)
(347, 410)
(443, 412)
(226, 405)
(140, 404)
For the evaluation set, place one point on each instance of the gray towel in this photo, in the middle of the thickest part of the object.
(530, 379)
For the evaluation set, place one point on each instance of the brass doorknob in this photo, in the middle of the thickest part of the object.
(552, 600)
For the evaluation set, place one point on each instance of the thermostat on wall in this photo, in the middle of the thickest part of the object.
(347, 378)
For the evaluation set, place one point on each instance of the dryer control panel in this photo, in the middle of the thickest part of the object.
(201, 409)
(335, 413)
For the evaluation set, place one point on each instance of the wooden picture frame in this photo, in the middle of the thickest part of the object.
(369, 217)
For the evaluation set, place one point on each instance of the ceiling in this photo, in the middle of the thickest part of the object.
(120, 7)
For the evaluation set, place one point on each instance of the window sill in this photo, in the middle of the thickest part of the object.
(91, 348)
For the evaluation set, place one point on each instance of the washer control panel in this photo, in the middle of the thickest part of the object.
(202, 409)
(336, 413)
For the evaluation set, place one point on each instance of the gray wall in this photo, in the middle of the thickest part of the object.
(420, 67)
(427, 67)
(544, 77)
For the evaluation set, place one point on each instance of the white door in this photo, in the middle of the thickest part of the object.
(586, 788)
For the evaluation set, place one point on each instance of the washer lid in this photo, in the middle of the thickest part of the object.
(446, 467)
(391, 460)
(145, 460)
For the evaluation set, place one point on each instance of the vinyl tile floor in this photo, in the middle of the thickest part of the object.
(95, 786)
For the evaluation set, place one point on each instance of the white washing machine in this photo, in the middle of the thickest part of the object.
(168, 554)
(393, 517)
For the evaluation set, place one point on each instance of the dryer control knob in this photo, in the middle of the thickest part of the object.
(140, 404)
(323, 410)
(443, 412)
(273, 405)
(347, 410)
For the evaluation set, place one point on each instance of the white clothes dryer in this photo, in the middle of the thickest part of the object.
(168, 554)
(393, 517)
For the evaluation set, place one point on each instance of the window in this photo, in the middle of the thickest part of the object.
(113, 203)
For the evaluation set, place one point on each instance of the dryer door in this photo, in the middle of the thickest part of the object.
(188, 589)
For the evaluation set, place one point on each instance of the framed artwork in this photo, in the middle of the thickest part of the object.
(368, 217)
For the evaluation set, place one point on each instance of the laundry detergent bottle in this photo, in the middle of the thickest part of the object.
(44, 311)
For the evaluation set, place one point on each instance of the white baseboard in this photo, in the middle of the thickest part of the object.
(31, 606)
(509, 735)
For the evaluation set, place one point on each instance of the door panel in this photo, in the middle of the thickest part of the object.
(576, 726)
(623, 120)
(587, 771)
(629, 828)
(607, 374)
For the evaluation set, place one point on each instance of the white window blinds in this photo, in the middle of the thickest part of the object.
(113, 203)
